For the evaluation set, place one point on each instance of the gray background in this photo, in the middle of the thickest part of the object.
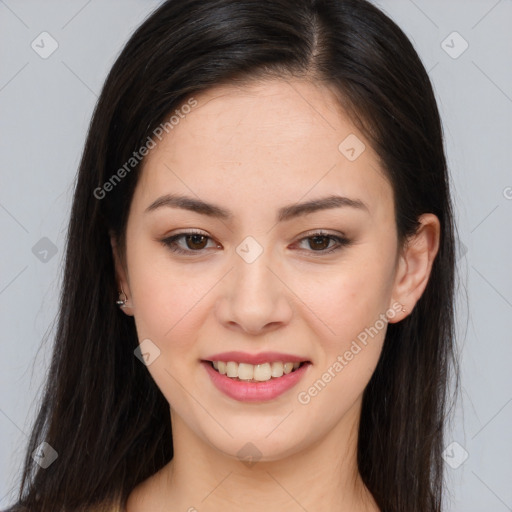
(46, 105)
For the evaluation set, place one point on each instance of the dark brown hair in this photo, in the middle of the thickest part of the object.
(101, 410)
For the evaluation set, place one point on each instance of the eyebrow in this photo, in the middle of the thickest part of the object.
(285, 213)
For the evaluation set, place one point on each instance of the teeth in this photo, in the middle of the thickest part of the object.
(254, 372)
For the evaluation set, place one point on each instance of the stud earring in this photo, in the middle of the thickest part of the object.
(122, 299)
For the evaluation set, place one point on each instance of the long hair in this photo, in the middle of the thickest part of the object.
(101, 411)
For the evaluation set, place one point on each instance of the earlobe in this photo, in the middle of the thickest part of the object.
(416, 264)
(123, 300)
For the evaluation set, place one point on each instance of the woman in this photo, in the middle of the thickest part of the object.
(257, 308)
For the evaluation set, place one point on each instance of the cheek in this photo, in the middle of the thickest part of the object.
(167, 303)
(351, 327)
(347, 298)
(169, 310)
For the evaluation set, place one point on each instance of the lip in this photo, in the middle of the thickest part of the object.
(254, 391)
(262, 357)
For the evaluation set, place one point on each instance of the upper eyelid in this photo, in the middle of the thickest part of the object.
(308, 234)
(338, 238)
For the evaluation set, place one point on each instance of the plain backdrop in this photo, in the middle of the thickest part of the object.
(46, 102)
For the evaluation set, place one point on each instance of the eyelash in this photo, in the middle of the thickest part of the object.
(170, 242)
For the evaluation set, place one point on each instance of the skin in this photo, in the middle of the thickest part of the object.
(253, 150)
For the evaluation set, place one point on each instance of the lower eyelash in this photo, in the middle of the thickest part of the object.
(170, 243)
(341, 242)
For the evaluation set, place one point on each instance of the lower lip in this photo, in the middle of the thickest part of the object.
(255, 391)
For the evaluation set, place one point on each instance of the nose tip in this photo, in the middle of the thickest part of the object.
(255, 328)
(254, 298)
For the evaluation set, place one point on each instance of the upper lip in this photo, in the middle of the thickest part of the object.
(262, 357)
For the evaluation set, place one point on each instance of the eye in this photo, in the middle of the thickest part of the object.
(319, 242)
(194, 241)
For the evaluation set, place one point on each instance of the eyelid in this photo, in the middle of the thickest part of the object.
(339, 237)
(191, 231)
(170, 240)
(321, 232)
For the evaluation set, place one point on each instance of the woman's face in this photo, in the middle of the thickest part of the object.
(256, 277)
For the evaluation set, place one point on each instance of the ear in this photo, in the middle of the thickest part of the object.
(121, 276)
(415, 264)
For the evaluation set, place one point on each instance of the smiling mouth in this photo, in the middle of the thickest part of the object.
(255, 373)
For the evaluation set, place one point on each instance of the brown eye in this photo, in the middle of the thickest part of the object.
(319, 242)
(191, 244)
(196, 242)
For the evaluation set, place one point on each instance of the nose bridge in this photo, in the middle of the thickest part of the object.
(256, 297)
(253, 279)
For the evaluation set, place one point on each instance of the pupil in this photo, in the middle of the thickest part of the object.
(196, 239)
(317, 242)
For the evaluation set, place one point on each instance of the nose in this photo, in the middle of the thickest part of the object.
(254, 298)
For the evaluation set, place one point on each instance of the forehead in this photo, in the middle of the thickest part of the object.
(278, 138)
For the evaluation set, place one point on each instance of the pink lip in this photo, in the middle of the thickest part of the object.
(262, 357)
(254, 391)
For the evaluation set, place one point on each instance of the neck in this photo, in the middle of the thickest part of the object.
(201, 477)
